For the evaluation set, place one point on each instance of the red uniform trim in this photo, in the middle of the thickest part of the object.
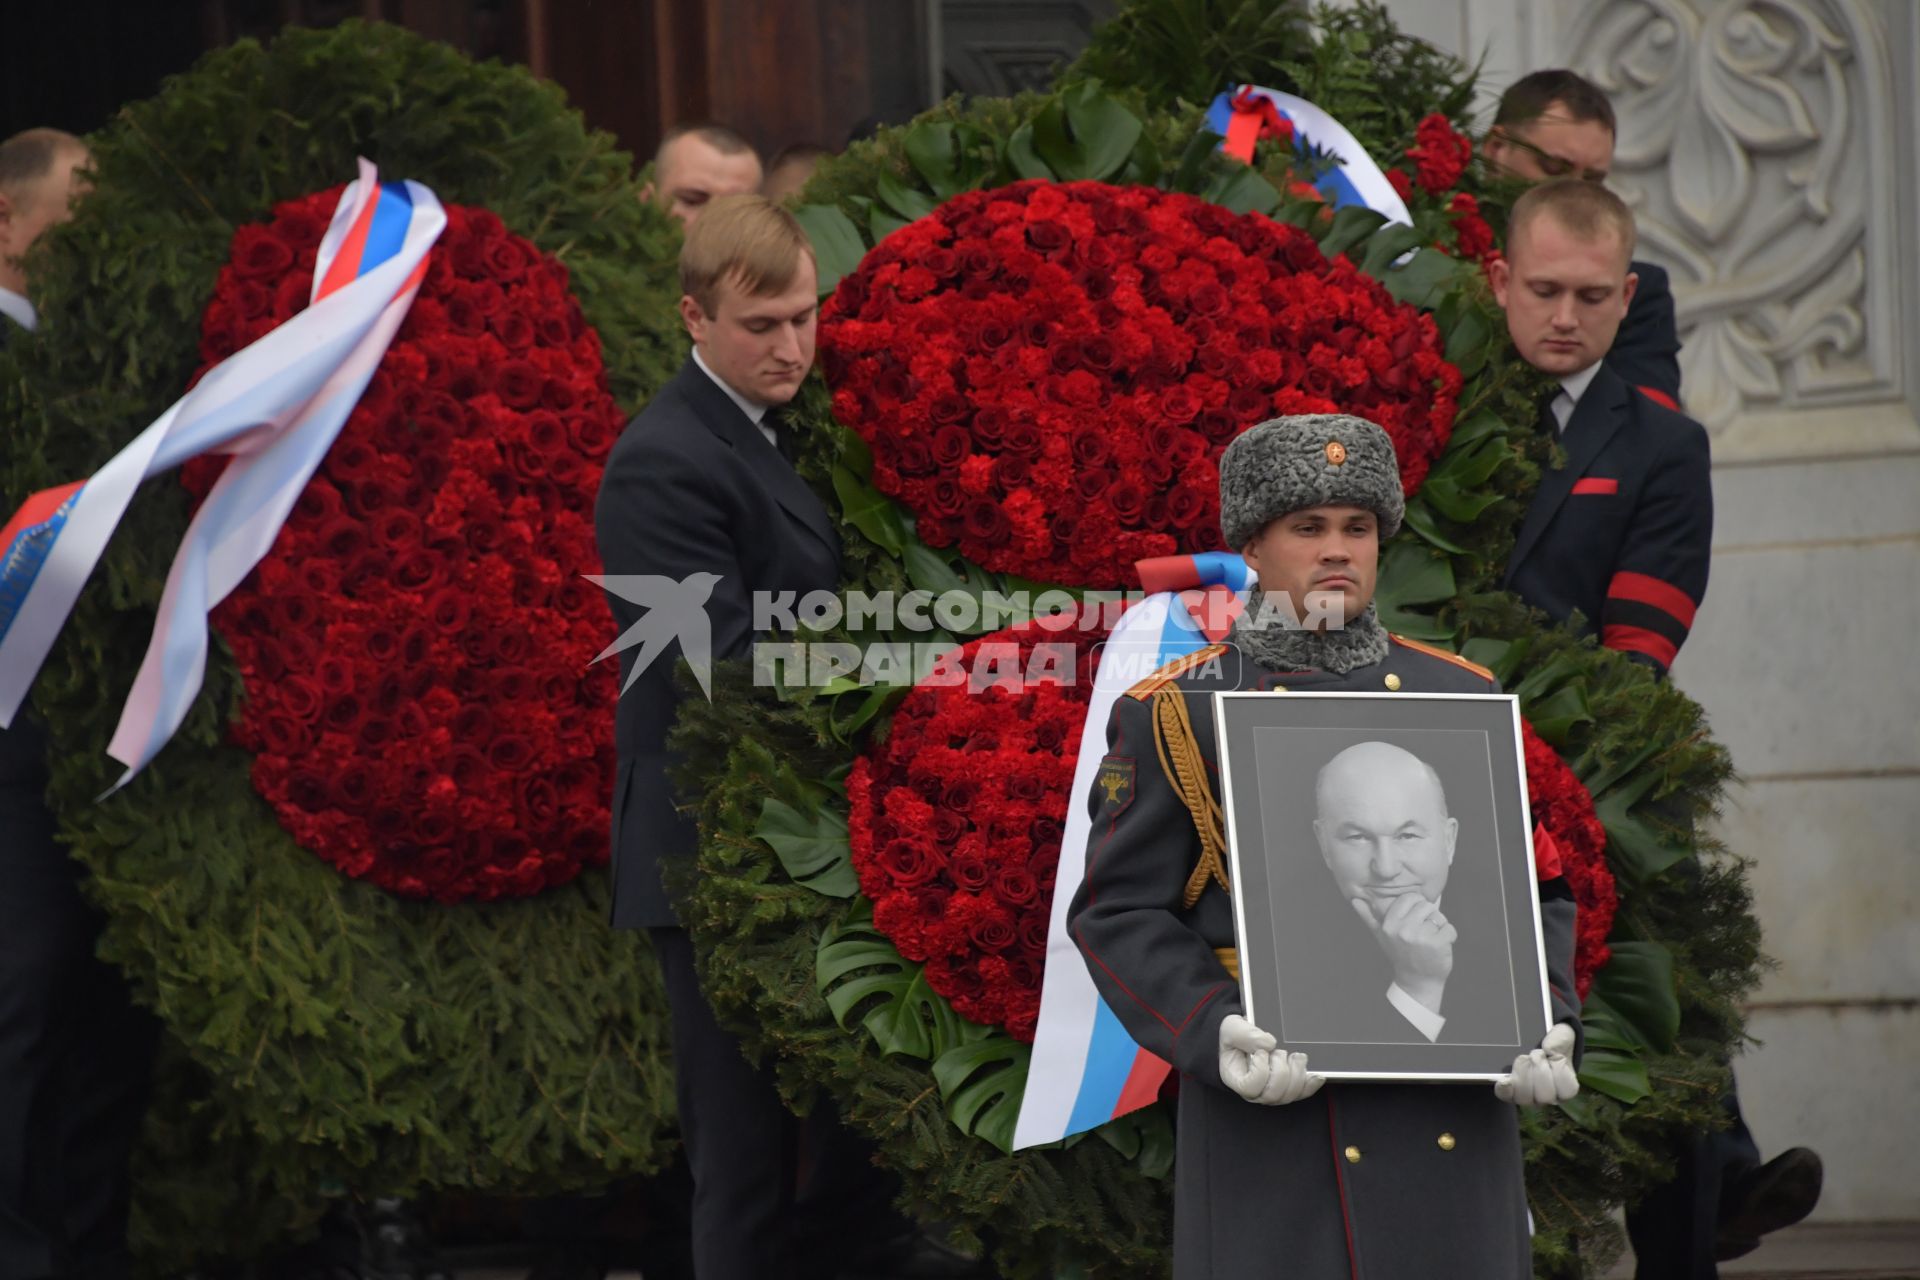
(1095, 957)
(1664, 596)
(1660, 398)
(1640, 640)
(1595, 485)
(1340, 1186)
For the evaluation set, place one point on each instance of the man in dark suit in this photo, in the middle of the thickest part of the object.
(1619, 538)
(1556, 124)
(74, 1049)
(1620, 535)
(699, 490)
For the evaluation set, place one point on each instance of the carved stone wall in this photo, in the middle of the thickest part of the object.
(1758, 142)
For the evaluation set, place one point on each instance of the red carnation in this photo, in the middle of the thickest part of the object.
(1440, 152)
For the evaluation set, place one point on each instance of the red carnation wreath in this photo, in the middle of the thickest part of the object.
(416, 647)
(1563, 804)
(1047, 373)
(955, 820)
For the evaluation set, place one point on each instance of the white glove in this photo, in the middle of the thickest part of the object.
(1251, 1068)
(1543, 1077)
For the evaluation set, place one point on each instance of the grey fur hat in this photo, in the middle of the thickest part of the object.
(1308, 460)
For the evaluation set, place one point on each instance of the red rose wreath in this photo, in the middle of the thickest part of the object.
(416, 647)
(1047, 373)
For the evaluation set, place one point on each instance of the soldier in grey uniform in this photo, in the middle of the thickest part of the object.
(1275, 1175)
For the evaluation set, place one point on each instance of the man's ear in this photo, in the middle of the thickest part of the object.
(1626, 293)
(1500, 275)
(646, 192)
(694, 318)
(1453, 836)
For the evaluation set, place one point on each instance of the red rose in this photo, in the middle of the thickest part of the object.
(908, 863)
(1016, 886)
(992, 932)
(259, 253)
(969, 872)
(987, 524)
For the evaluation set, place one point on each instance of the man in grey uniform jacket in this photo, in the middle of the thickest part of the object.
(1274, 1174)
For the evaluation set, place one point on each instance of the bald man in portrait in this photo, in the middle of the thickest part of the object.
(1402, 960)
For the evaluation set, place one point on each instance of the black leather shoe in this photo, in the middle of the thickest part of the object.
(1777, 1194)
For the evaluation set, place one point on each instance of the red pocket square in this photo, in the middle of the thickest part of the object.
(1595, 484)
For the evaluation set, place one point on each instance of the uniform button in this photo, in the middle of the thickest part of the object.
(1353, 1155)
(1393, 682)
(1446, 1142)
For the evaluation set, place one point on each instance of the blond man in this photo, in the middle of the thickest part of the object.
(700, 509)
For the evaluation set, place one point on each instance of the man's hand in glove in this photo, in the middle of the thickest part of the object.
(1541, 1078)
(1250, 1066)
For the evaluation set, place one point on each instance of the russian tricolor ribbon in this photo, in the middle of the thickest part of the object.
(1085, 1069)
(1249, 112)
(276, 407)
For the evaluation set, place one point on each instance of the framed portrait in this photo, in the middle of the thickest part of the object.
(1383, 880)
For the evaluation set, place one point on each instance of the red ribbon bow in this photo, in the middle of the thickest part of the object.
(1254, 117)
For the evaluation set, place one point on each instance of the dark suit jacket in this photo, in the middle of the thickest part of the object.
(692, 486)
(1622, 533)
(23, 748)
(1646, 351)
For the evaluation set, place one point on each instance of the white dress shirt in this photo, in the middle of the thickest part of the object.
(1425, 1021)
(755, 411)
(1572, 387)
(17, 307)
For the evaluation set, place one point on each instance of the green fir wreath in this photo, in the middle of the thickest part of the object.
(321, 1035)
(789, 950)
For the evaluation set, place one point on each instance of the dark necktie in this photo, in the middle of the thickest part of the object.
(1549, 422)
(785, 438)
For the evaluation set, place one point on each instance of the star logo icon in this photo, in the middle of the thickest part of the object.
(675, 610)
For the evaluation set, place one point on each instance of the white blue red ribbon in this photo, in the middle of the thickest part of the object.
(1085, 1069)
(277, 407)
(1356, 179)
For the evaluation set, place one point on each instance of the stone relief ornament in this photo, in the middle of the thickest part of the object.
(1751, 144)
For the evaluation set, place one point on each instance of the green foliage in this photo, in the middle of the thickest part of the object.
(320, 1033)
(812, 847)
(1189, 50)
(1354, 62)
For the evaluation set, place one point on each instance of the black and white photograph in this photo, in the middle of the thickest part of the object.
(1382, 866)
